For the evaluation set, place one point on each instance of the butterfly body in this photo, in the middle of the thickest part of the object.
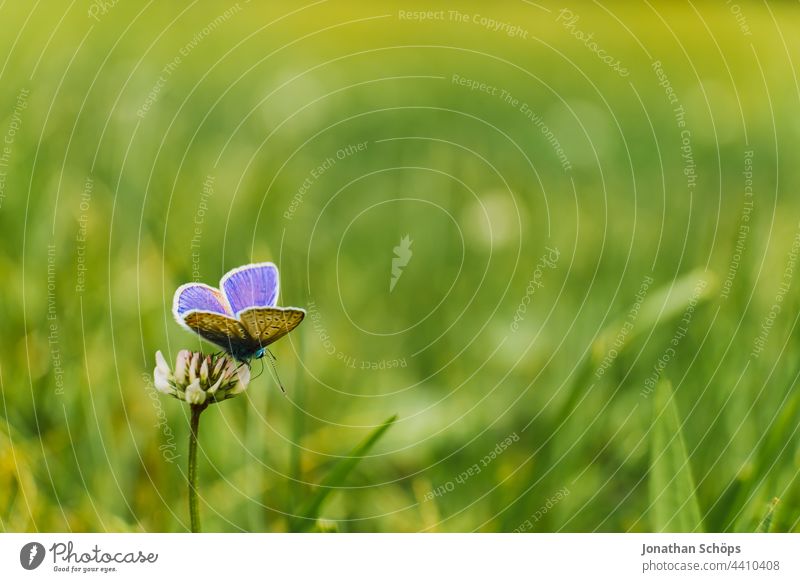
(242, 316)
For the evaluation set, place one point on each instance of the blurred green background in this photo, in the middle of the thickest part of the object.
(576, 236)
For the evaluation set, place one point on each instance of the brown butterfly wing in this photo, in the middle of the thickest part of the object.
(268, 324)
(226, 332)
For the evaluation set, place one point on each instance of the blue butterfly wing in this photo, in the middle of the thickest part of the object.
(198, 297)
(255, 285)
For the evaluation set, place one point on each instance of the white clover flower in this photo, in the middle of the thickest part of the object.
(201, 379)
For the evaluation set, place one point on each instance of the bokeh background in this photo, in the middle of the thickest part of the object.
(602, 199)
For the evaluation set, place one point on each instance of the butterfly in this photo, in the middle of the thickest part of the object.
(241, 316)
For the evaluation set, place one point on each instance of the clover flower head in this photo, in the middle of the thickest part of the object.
(201, 379)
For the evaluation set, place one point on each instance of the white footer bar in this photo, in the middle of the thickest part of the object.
(416, 557)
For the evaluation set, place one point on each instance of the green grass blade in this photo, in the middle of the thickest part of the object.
(766, 524)
(661, 305)
(295, 484)
(673, 503)
(309, 514)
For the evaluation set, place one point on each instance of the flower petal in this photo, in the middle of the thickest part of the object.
(204, 370)
(218, 367)
(193, 367)
(161, 382)
(180, 366)
(240, 384)
(244, 375)
(216, 386)
(194, 394)
(161, 364)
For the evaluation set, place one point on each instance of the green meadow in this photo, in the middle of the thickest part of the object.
(549, 256)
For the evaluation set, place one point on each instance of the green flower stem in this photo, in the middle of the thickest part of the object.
(194, 508)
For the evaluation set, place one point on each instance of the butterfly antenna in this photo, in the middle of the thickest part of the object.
(272, 360)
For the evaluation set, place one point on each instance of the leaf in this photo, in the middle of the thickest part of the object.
(673, 503)
(310, 511)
